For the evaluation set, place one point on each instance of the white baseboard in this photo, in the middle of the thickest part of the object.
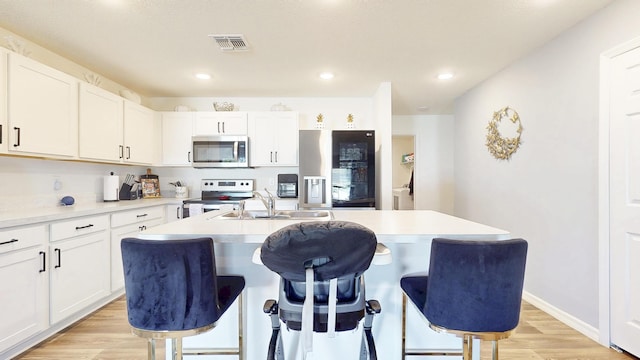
(569, 320)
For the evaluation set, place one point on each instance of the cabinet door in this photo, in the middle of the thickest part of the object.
(139, 134)
(117, 234)
(3, 102)
(220, 123)
(286, 139)
(43, 109)
(24, 300)
(273, 138)
(79, 273)
(177, 129)
(174, 212)
(100, 129)
(24, 305)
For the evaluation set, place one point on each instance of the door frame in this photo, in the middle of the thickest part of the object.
(604, 318)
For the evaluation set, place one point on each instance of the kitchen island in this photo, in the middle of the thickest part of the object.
(407, 234)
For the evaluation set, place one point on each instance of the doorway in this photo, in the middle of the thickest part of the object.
(619, 196)
(403, 177)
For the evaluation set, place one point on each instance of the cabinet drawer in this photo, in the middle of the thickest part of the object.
(136, 216)
(79, 226)
(23, 237)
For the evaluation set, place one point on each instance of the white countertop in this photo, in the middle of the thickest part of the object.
(20, 217)
(390, 226)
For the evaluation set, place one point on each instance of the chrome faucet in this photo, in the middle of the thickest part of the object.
(269, 203)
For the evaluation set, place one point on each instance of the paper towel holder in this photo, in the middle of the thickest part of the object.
(111, 187)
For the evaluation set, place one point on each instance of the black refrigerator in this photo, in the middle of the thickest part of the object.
(353, 171)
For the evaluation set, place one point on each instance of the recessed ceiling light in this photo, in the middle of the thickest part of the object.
(326, 76)
(445, 76)
(203, 76)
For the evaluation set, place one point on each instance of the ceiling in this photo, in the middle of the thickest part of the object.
(155, 47)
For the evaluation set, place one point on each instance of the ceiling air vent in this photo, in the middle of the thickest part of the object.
(231, 42)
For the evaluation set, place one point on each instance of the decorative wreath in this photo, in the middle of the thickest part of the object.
(502, 147)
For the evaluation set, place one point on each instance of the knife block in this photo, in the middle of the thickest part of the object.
(127, 193)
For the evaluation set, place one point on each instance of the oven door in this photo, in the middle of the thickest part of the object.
(220, 151)
(205, 208)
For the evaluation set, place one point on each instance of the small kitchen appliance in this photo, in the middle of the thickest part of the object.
(217, 193)
(220, 151)
(288, 185)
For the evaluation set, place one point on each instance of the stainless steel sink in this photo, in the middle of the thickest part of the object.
(282, 215)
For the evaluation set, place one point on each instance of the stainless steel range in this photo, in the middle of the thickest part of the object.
(219, 192)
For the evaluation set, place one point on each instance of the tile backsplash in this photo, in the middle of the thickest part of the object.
(27, 183)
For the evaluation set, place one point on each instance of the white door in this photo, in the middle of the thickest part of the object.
(624, 195)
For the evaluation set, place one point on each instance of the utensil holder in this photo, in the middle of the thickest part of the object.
(182, 192)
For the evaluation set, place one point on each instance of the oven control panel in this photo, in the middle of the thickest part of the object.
(226, 185)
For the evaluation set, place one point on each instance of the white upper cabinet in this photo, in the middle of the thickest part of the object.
(114, 129)
(177, 129)
(3, 102)
(101, 124)
(273, 138)
(139, 134)
(220, 123)
(42, 109)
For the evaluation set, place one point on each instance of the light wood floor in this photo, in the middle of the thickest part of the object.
(105, 335)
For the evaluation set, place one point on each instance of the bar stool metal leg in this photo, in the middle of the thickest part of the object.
(467, 347)
(151, 349)
(404, 325)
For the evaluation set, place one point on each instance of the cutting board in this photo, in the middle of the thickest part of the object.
(150, 185)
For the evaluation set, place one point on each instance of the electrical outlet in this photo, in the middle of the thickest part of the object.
(57, 184)
(272, 182)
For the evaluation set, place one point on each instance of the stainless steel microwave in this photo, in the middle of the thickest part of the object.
(223, 151)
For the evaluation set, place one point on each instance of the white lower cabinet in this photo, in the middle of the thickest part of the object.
(129, 224)
(79, 265)
(174, 212)
(55, 273)
(24, 299)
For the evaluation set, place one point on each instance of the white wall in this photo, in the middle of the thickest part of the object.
(433, 168)
(382, 118)
(334, 109)
(547, 192)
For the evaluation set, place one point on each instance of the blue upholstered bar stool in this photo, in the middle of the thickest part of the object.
(473, 290)
(173, 291)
